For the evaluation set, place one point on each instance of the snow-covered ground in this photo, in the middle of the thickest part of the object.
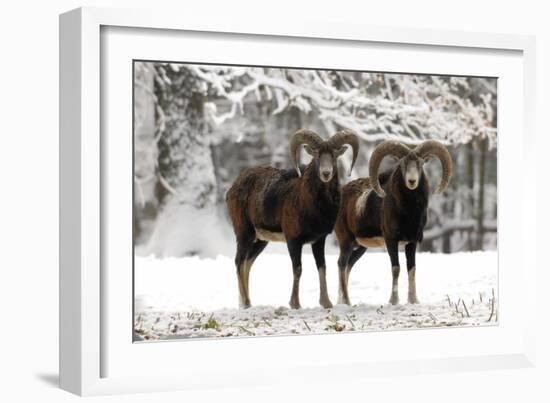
(194, 297)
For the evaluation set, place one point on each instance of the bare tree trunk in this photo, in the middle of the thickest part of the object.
(185, 163)
(145, 150)
(470, 182)
(446, 244)
(481, 193)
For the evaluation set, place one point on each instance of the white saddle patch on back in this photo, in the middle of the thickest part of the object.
(269, 236)
(361, 201)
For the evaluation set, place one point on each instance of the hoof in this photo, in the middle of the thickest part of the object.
(394, 300)
(413, 300)
(245, 305)
(343, 301)
(326, 304)
(295, 305)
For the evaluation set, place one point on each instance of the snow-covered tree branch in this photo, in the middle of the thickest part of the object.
(376, 106)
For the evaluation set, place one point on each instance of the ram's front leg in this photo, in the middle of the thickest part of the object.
(318, 249)
(410, 252)
(393, 251)
(295, 250)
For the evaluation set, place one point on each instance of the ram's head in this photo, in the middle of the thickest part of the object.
(324, 152)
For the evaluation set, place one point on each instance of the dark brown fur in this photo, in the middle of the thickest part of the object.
(393, 212)
(279, 201)
(398, 217)
(303, 209)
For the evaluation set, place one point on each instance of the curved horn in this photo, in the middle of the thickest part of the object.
(346, 137)
(435, 148)
(388, 147)
(303, 136)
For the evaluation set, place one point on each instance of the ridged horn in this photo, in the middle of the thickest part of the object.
(303, 136)
(435, 148)
(342, 137)
(388, 147)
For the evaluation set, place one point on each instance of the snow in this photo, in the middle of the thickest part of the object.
(179, 230)
(193, 297)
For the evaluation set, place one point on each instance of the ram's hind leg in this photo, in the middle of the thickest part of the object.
(257, 247)
(355, 256)
(318, 249)
(348, 258)
(245, 244)
(346, 249)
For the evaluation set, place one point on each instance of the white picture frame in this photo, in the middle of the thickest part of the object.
(86, 304)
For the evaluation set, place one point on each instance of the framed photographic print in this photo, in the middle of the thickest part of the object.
(233, 201)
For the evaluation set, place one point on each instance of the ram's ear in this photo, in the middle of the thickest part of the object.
(340, 151)
(310, 150)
